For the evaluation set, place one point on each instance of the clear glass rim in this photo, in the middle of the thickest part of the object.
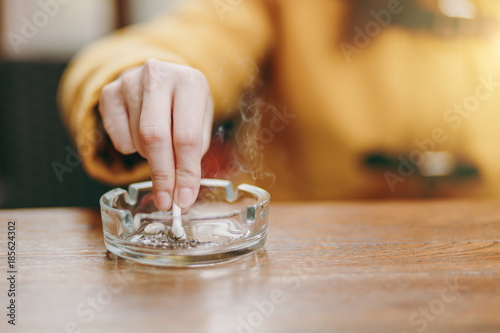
(261, 196)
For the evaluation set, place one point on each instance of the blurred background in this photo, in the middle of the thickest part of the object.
(32, 138)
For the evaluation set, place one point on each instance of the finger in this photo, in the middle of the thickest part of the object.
(207, 125)
(156, 140)
(115, 118)
(132, 94)
(190, 100)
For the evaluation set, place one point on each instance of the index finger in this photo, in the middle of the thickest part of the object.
(155, 135)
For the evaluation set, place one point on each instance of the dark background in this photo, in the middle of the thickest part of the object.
(32, 138)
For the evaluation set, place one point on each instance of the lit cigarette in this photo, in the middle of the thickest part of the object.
(177, 229)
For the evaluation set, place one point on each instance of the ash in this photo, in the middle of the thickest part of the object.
(165, 240)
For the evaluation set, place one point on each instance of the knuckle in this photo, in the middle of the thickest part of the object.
(106, 90)
(152, 134)
(196, 78)
(109, 88)
(163, 179)
(156, 73)
(128, 82)
(188, 138)
(150, 64)
(188, 177)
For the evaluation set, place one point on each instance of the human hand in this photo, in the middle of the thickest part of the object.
(164, 112)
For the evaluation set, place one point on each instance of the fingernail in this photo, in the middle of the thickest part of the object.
(184, 197)
(163, 200)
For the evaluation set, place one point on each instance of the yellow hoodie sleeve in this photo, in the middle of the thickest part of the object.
(224, 40)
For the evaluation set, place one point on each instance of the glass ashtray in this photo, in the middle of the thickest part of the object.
(222, 225)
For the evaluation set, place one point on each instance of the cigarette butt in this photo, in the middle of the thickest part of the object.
(177, 229)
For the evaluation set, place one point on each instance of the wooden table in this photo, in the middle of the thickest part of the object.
(427, 266)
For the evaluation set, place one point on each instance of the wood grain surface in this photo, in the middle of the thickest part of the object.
(423, 266)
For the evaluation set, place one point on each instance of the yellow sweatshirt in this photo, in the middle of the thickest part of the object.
(398, 91)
